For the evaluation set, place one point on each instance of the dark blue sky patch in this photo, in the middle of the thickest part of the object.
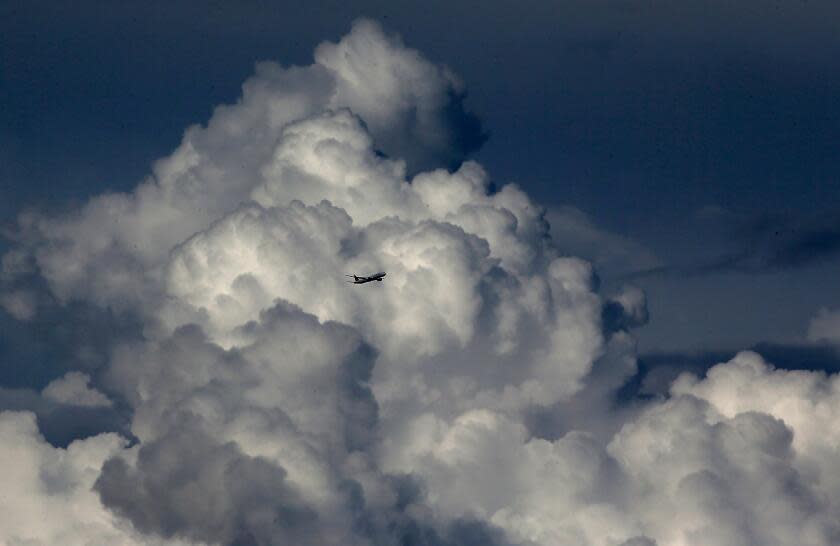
(60, 338)
(60, 423)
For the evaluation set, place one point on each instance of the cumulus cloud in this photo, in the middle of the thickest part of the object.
(470, 398)
(744, 456)
(414, 107)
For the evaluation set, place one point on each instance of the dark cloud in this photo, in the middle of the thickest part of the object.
(474, 532)
(805, 245)
(355, 399)
(639, 541)
(401, 525)
(461, 532)
(764, 244)
(625, 311)
(615, 318)
(777, 241)
(187, 485)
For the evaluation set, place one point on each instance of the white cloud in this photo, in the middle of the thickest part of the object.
(745, 456)
(411, 104)
(275, 403)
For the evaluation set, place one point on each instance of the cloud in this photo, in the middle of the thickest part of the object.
(414, 107)
(473, 397)
(68, 408)
(758, 244)
(710, 473)
(709, 465)
(778, 242)
(73, 389)
(658, 370)
(281, 430)
(574, 232)
(20, 304)
(107, 252)
(825, 326)
(249, 499)
(48, 497)
(628, 309)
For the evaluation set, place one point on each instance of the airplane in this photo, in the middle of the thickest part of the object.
(362, 280)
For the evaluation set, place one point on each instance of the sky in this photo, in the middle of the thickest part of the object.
(648, 118)
(612, 238)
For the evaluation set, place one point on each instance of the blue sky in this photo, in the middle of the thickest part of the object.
(699, 132)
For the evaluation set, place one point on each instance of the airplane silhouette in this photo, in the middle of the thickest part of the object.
(363, 280)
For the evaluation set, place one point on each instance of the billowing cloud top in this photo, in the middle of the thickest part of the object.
(272, 403)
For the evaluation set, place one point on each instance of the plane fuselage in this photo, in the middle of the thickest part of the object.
(362, 280)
